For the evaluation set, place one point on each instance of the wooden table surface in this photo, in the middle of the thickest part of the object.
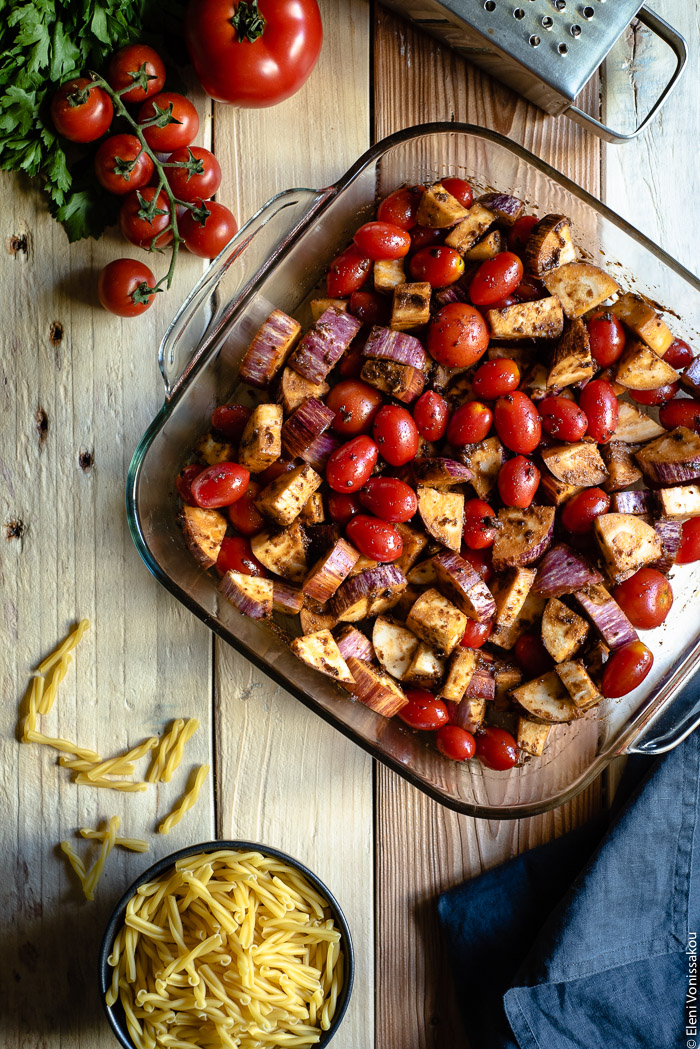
(78, 389)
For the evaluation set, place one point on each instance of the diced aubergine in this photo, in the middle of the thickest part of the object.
(507, 676)
(540, 319)
(261, 443)
(571, 359)
(375, 689)
(532, 736)
(411, 306)
(423, 574)
(401, 381)
(271, 345)
(364, 564)
(317, 618)
(670, 533)
(464, 586)
(469, 714)
(320, 651)
(441, 473)
(577, 682)
(576, 464)
(579, 287)
(319, 306)
(627, 543)
(606, 615)
(394, 646)
(414, 543)
(509, 593)
(251, 595)
(529, 619)
(324, 578)
(459, 673)
(597, 655)
(563, 631)
(546, 698)
(622, 470)
(438, 208)
(482, 684)
(486, 248)
(313, 512)
(522, 536)
(204, 532)
(304, 425)
(691, 377)
(426, 669)
(213, 451)
(282, 552)
(467, 232)
(286, 599)
(324, 344)
(387, 274)
(506, 208)
(352, 642)
(320, 450)
(554, 491)
(535, 382)
(563, 571)
(442, 513)
(639, 503)
(484, 460)
(671, 459)
(522, 355)
(294, 389)
(635, 426)
(437, 621)
(679, 503)
(639, 368)
(396, 346)
(284, 498)
(549, 245)
(643, 320)
(368, 593)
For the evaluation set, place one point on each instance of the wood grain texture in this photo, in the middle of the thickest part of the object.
(422, 848)
(78, 389)
(284, 776)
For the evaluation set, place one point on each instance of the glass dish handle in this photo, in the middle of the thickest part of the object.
(674, 723)
(215, 296)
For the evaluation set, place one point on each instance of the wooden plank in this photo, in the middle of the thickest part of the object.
(285, 777)
(422, 847)
(79, 388)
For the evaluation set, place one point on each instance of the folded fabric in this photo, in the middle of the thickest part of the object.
(588, 942)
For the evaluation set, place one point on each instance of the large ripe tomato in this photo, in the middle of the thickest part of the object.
(645, 598)
(81, 111)
(347, 273)
(177, 121)
(196, 174)
(120, 164)
(253, 54)
(457, 336)
(139, 65)
(207, 238)
(123, 287)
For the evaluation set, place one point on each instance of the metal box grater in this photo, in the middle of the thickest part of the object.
(546, 49)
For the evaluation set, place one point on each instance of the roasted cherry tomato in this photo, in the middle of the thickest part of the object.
(342, 508)
(423, 710)
(469, 424)
(139, 65)
(122, 287)
(177, 122)
(220, 485)
(517, 482)
(658, 396)
(562, 418)
(438, 265)
(626, 669)
(244, 514)
(496, 748)
(430, 414)
(347, 273)
(426, 237)
(517, 422)
(370, 307)
(678, 355)
(396, 435)
(355, 404)
(495, 278)
(121, 165)
(607, 337)
(684, 411)
(81, 111)
(689, 549)
(457, 336)
(530, 289)
(401, 206)
(389, 498)
(183, 482)
(230, 420)
(531, 655)
(520, 231)
(208, 236)
(144, 223)
(476, 634)
(460, 189)
(645, 598)
(352, 360)
(455, 743)
(480, 560)
(494, 379)
(599, 402)
(235, 555)
(580, 512)
(275, 470)
(197, 176)
(382, 240)
(349, 466)
(376, 539)
(479, 524)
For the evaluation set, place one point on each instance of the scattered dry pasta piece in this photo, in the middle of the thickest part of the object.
(186, 802)
(58, 673)
(177, 753)
(127, 785)
(65, 647)
(94, 875)
(133, 844)
(34, 696)
(160, 757)
(118, 765)
(62, 744)
(74, 860)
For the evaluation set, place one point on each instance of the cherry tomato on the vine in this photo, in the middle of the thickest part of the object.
(678, 355)
(143, 222)
(469, 424)
(455, 743)
(220, 485)
(244, 514)
(208, 237)
(520, 231)
(689, 549)
(370, 307)
(517, 422)
(495, 278)
(396, 434)
(236, 555)
(81, 111)
(347, 273)
(438, 265)
(654, 397)
(183, 482)
(626, 669)
(423, 710)
(382, 240)
(607, 337)
(562, 418)
(457, 336)
(177, 121)
(531, 655)
(476, 634)
(494, 379)
(117, 167)
(126, 67)
(645, 598)
(198, 178)
(684, 411)
(430, 414)
(460, 190)
(496, 748)
(580, 512)
(518, 480)
(342, 508)
(599, 403)
(122, 287)
(230, 420)
(355, 404)
(378, 540)
(401, 206)
(479, 524)
(389, 498)
(349, 466)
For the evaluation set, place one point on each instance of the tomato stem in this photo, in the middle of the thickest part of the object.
(248, 21)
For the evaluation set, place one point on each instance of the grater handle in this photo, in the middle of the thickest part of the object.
(677, 44)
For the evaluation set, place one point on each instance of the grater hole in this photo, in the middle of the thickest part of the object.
(562, 49)
(490, 5)
(534, 41)
(588, 12)
(575, 30)
(547, 22)
(560, 5)
(518, 13)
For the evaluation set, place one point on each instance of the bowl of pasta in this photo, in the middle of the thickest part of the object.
(226, 944)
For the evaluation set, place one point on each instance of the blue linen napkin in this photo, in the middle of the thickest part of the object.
(590, 941)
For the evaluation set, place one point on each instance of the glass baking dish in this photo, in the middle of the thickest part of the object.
(276, 260)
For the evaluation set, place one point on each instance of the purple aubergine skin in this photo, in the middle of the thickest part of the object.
(266, 353)
(320, 450)
(671, 459)
(467, 589)
(330, 572)
(397, 346)
(304, 425)
(370, 583)
(608, 618)
(669, 532)
(286, 599)
(482, 685)
(441, 471)
(247, 605)
(636, 503)
(352, 642)
(467, 714)
(508, 209)
(562, 571)
(324, 345)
